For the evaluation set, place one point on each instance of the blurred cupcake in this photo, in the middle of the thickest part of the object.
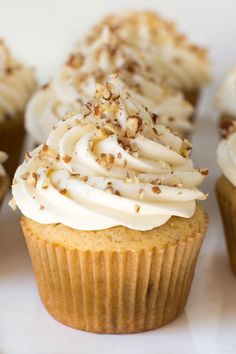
(110, 217)
(97, 57)
(226, 104)
(4, 182)
(166, 51)
(226, 192)
(17, 83)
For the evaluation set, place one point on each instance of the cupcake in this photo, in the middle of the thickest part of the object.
(226, 192)
(225, 102)
(97, 57)
(17, 82)
(110, 216)
(166, 51)
(4, 183)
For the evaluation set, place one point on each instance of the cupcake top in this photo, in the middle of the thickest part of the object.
(226, 157)
(226, 96)
(3, 158)
(165, 50)
(17, 83)
(112, 164)
(96, 58)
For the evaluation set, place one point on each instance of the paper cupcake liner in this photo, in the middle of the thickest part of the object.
(228, 213)
(11, 141)
(114, 292)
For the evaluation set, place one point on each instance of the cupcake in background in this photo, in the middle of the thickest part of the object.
(110, 216)
(97, 57)
(225, 102)
(226, 192)
(4, 182)
(17, 83)
(167, 52)
(44, 110)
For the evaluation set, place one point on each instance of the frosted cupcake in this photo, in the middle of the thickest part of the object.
(4, 182)
(165, 50)
(110, 217)
(226, 192)
(97, 57)
(226, 104)
(17, 82)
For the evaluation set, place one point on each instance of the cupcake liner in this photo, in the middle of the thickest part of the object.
(226, 194)
(11, 141)
(114, 291)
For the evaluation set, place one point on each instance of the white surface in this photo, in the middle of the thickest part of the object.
(42, 32)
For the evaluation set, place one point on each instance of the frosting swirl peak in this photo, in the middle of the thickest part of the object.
(112, 164)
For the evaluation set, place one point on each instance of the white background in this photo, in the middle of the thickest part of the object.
(42, 32)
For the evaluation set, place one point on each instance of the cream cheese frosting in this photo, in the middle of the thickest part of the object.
(17, 82)
(96, 58)
(226, 157)
(165, 50)
(3, 158)
(226, 96)
(112, 164)
(46, 109)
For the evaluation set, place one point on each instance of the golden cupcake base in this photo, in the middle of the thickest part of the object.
(11, 141)
(115, 280)
(226, 195)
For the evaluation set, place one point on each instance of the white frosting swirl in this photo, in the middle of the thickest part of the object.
(165, 50)
(17, 82)
(112, 164)
(93, 62)
(226, 96)
(45, 110)
(3, 158)
(226, 157)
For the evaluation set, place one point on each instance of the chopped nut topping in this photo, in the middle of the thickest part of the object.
(119, 155)
(156, 181)
(63, 191)
(132, 126)
(186, 148)
(106, 160)
(41, 207)
(203, 171)
(75, 61)
(156, 190)
(67, 158)
(33, 179)
(136, 208)
(45, 148)
(84, 178)
(25, 176)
